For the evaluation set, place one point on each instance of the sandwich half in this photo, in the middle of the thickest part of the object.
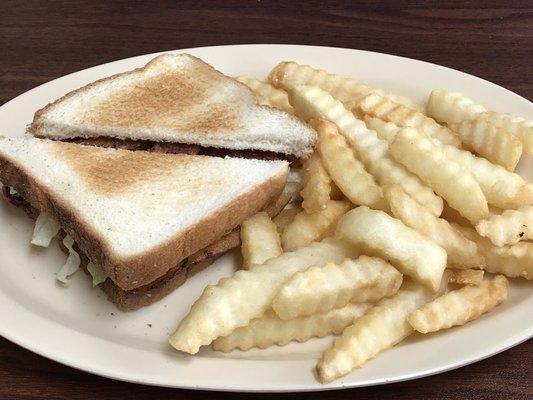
(147, 220)
(179, 103)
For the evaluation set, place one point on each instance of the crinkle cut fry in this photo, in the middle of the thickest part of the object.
(424, 158)
(233, 302)
(511, 227)
(267, 94)
(320, 289)
(502, 188)
(270, 330)
(381, 328)
(373, 152)
(289, 73)
(460, 306)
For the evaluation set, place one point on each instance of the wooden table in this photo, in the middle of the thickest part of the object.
(43, 40)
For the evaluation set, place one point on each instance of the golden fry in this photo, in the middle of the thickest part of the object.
(460, 306)
(462, 253)
(270, 330)
(494, 144)
(316, 185)
(453, 107)
(508, 228)
(380, 107)
(385, 130)
(502, 188)
(512, 261)
(320, 289)
(268, 95)
(377, 233)
(373, 152)
(381, 328)
(427, 160)
(306, 228)
(260, 240)
(345, 170)
(289, 73)
(517, 126)
(234, 302)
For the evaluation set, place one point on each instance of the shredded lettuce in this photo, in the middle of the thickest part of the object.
(97, 273)
(71, 265)
(294, 176)
(45, 230)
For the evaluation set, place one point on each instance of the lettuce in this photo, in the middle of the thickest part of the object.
(45, 230)
(97, 273)
(71, 265)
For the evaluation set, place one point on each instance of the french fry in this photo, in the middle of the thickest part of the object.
(502, 188)
(306, 228)
(270, 330)
(453, 107)
(462, 253)
(465, 276)
(381, 107)
(512, 261)
(508, 228)
(320, 289)
(285, 217)
(260, 240)
(494, 144)
(344, 89)
(427, 160)
(381, 328)
(345, 170)
(517, 126)
(235, 301)
(268, 95)
(316, 185)
(384, 129)
(309, 101)
(377, 233)
(459, 306)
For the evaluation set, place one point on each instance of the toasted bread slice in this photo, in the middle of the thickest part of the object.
(174, 98)
(128, 300)
(138, 214)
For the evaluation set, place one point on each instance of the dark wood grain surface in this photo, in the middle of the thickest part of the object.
(43, 40)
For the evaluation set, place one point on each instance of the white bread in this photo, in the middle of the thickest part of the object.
(174, 98)
(137, 214)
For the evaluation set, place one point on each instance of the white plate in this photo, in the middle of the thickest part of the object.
(77, 326)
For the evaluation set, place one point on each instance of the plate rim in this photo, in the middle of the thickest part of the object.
(72, 362)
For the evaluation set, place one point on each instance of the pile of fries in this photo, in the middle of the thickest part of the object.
(404, 207)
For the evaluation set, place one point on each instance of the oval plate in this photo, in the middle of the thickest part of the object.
(78, 327)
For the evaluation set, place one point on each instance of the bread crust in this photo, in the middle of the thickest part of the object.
(133, 272)
(129, 300)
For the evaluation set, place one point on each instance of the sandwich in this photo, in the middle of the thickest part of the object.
(175, 104)
(141, 222)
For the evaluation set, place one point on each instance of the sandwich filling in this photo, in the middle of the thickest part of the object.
(180, 148)
(127, 300)
(144, 295)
